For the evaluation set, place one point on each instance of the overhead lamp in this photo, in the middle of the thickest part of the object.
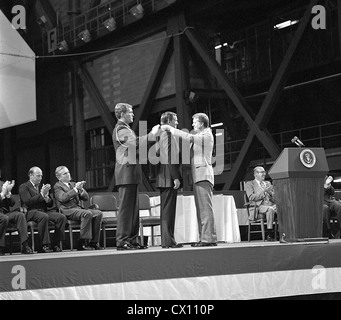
(85, 35)
(137, 11)
(63, 46)
(110, 24)
(217, 125)
(285, 24)
(42, 21)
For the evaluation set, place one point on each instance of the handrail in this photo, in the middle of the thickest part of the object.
(327, 136)
(93, 19)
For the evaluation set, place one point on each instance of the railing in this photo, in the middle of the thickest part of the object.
(100, 161)
(255, 53)
(327, 136)
(93, 20)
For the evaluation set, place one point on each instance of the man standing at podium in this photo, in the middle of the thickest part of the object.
(261, 192)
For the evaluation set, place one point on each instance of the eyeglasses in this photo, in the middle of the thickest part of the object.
(261, 172)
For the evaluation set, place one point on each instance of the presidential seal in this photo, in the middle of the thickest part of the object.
(308, 158)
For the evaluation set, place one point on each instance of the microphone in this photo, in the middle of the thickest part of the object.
(297, 141)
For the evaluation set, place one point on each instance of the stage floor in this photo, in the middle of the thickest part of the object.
(244, 270)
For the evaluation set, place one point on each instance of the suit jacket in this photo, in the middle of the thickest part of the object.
(66, 197)
(329, 195)
(6, 203)
(126, 143)
(169, 159)
(32, 198)
(257, 194)
(201, 153)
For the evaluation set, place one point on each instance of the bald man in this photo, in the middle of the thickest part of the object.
(261, 192)
(35, 197)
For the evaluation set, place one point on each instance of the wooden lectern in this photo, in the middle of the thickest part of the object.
(298, 177)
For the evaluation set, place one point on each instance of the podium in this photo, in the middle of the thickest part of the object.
(298, 177)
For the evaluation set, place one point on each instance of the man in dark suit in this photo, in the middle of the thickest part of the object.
(35, 197)
(14, 217)
(168, 180)
(201, 146)
(331, 206)
(128, 176)
(68, 195)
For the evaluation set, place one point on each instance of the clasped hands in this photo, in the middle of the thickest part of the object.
(45, 190)
(80, 185)
(7, 188)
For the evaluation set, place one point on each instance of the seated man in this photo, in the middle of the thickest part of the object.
(261, 192)
(15, 217)
(36, 199)
(331, 206)
(68, 196)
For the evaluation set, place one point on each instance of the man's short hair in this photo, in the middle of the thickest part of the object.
(121, 108)
(202, 117)
(57, 172)
(31, 171)
(259, 168)
(167, 117)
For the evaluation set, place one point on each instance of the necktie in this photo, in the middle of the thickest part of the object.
(262, 184)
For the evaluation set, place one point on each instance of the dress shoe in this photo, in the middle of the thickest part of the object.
(204, 244)
(46, 249)
(84, 247)
(95, 246)
(57, 249)
(138, 246)
(269, 238)
(126, 246)
(173, 246)
(26, 249)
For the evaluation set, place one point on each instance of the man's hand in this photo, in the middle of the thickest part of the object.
(155, 130)
(4, 189)
(176, 184)
(166, 127)
(10, 185)
(45, 190)
(79, 185)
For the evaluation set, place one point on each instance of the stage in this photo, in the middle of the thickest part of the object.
(244, 270)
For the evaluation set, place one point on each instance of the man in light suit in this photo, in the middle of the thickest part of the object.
(68, 196)
(128, 176)
(35, 197)
(203, 176)
(168, 180)
(261, 192)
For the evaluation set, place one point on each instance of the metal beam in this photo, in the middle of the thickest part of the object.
(271, 99)
(339, 21)
(97, 99)
(150, 93)
(154, 83)
(50, 12)
(283, 72)
(78, 124)
(233, 93)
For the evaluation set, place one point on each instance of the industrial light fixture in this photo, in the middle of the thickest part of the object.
(63, 46)
(110, 24)
(42, 21)
(85, 35)
(220, 124)
(285, 24)
(137, 11)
